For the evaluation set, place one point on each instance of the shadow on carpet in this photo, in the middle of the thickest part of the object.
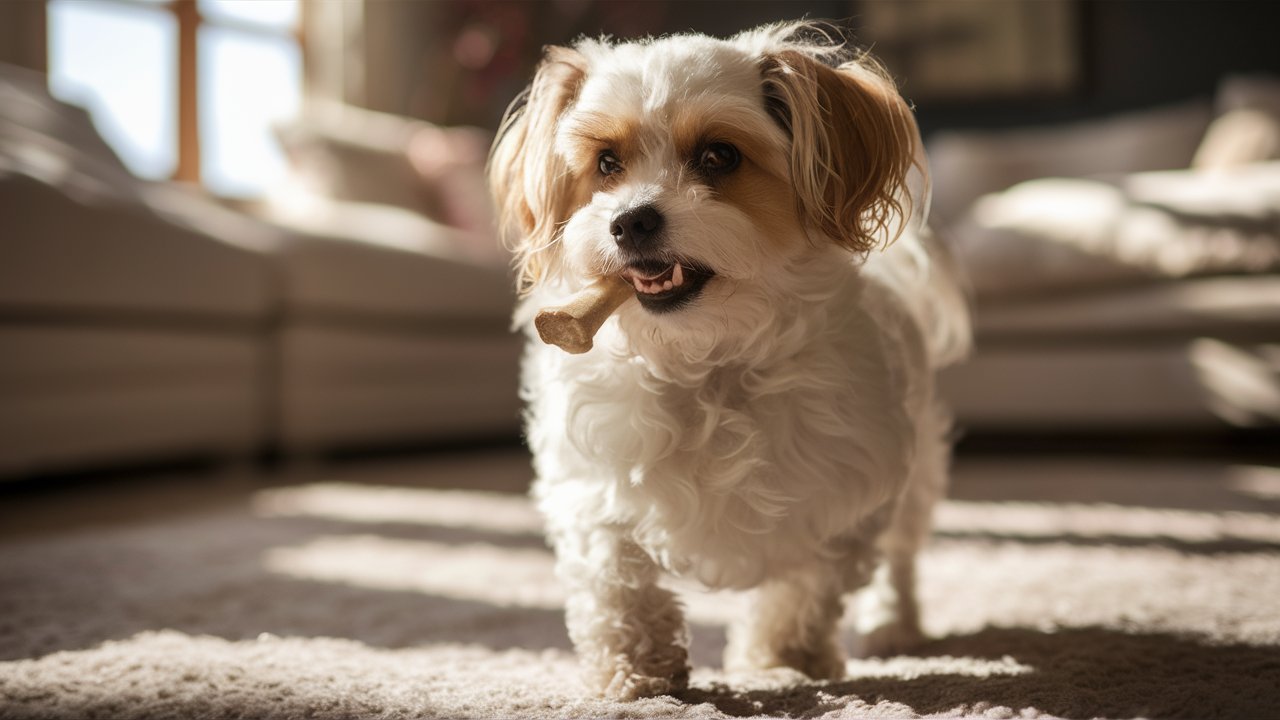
(1082, 673)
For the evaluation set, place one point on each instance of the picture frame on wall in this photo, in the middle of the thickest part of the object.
(942, 50)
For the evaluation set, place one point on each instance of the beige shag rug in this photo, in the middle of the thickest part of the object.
(1072, 589)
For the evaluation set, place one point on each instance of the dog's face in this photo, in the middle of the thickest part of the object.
(680, 175)
(699, 170)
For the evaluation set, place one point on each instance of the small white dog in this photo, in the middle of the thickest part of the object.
(762, 415)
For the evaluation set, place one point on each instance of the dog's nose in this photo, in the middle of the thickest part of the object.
(636, 229)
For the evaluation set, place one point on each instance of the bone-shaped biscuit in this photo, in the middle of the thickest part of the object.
(572, 326)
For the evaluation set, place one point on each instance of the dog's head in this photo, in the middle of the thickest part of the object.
(700, 170)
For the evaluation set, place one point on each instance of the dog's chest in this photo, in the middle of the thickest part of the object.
(714, 433)
(734, 476)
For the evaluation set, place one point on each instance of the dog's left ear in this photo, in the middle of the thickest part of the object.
(529, 181)
(853, 142)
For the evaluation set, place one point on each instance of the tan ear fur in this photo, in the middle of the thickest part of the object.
(531, 186)
(853, 142)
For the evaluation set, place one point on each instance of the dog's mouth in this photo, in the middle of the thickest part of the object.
(665, 286)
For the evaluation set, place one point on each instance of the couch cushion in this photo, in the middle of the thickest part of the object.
(373, 262)
(70, 253)
(1180, 384)
(1244, 308)
(82, 396)
(82, 235)
(351, 386)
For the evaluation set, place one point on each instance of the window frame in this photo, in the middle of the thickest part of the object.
(187, 167)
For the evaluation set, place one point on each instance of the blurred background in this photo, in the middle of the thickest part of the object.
(250, 230)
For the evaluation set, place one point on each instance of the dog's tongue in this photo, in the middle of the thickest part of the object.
(653, 284)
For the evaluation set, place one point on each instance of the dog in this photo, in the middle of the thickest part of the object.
(763, 415)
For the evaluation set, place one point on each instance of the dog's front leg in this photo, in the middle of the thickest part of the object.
(793, 623)
(888, 617)
(630, 634)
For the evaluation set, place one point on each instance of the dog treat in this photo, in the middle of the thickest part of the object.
(572, 326)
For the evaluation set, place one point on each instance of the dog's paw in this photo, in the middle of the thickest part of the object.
(821, 663)
(628, 684)
(622, 677)
(889, 640)
(825, 663)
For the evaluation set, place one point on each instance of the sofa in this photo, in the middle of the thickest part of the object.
(1124, 271)
(145, 321)
(395, 325)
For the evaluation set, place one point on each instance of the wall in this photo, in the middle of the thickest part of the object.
(1132, 53)
(22, 34)
(1137, 54)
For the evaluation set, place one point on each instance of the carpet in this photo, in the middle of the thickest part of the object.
(420, 589)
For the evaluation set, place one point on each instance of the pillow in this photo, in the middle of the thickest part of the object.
(55, 142)
(967, 165)
(1248, 193)
(350, 154)
(344, 153)
(451, 162)
(1041, 236)
(1248, 128)
(1062, 234)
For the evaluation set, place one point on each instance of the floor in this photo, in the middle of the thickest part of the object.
(420, 587)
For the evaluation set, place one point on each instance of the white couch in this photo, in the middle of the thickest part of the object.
(1112, 291)
(141, 321)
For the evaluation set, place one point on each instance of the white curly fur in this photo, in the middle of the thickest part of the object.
(781, 431)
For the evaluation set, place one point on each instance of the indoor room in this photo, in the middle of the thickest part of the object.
(550, 358)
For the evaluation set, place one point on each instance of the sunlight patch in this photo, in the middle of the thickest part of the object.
(494, 512)
(911, 668)
(484, 573)
(1039, 520)
(498, 576)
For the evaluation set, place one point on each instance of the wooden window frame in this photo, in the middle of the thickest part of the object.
(189, 20)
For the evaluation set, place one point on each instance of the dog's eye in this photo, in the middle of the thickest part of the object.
(608, 163)
(719, 158)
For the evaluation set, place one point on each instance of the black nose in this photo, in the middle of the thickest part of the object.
(638, 228)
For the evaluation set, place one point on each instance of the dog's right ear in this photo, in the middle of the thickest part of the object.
(854, 142)
(530, 183)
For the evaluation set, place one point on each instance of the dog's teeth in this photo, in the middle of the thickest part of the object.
(674, 278)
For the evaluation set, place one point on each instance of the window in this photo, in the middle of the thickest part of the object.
(184, 89)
